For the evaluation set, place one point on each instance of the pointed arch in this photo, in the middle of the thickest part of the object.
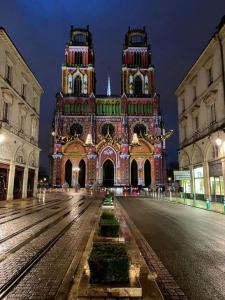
(197, 156)
(147, 173)
(68, 172)
(78, 85)
(82, 173)
(134, 173)
(108, 173)
(138, 85)
(184, 159)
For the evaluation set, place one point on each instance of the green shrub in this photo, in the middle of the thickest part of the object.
(109, 227)
(107, 216)
(109, 263)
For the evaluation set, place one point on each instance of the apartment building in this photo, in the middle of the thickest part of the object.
(201, 108)
(19, 123)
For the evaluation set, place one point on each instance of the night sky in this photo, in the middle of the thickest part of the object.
(178, 30)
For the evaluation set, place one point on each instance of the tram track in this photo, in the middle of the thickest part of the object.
(33, 211)
(19, 245)
(25, 268)
(32, 207)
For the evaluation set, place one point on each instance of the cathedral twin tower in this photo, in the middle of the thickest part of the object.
(104, 140)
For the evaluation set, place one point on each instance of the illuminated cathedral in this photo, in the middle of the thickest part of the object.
(104, 139)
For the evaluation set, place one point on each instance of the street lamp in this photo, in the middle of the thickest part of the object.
(76, 172)
(218, 142)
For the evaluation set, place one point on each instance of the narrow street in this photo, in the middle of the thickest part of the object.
(190, 242)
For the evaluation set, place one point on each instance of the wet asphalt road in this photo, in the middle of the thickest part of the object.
(190, 242)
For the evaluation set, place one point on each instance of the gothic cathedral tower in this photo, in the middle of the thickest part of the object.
(78, 73)
(137, 71)
(103, 139)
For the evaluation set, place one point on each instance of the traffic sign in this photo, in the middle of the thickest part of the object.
(181, 175)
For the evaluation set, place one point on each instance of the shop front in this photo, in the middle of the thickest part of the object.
(18, 183)
(4, 172)
(199, 182)
(216, 181)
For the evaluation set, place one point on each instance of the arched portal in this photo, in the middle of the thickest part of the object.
(147, 172)
(68, 172)
(134, 173)
(108, 173)
(82, 173)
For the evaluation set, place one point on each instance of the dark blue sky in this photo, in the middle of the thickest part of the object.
(178, 30)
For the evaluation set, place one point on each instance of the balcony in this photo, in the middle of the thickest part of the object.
(202, 133)
(18, 132)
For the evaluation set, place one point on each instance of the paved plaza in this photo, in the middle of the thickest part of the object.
(40, 239)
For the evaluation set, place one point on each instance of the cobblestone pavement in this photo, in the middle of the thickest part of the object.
(45, 277)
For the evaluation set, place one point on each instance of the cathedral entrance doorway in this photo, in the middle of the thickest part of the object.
(147, 172)
(82, 173)
(134, 173)
(108, 173)
(68, 172)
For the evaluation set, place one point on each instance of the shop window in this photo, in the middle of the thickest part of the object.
(216, 186)
(199, 180)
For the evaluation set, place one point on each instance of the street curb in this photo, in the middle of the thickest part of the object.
(171, 201)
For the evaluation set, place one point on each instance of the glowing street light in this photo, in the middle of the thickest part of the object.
(218, 142)
(2, 138)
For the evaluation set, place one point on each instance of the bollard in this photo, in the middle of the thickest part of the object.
(208, 204)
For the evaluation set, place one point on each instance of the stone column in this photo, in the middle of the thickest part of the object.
(35, 183)
(206, 180)
(25, 180)
(223, 172)
(192, 181)
(11, 182)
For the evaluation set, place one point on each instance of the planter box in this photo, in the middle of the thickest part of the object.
(109, 264)
(103, 239)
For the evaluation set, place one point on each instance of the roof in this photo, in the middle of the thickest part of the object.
(22, 58)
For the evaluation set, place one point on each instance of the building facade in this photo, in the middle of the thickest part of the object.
(105, 139)
(201, 107)
(19, 122)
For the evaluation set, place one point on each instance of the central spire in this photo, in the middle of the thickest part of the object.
(108, 86)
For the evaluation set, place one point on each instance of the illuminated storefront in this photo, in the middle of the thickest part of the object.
(199, 182)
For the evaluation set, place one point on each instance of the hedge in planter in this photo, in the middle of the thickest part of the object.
(109, 263)
(109, 228)
(107, 216)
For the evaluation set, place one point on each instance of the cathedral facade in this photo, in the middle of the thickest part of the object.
(107, 140)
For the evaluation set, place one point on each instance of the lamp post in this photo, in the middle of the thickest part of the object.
(76, 172)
